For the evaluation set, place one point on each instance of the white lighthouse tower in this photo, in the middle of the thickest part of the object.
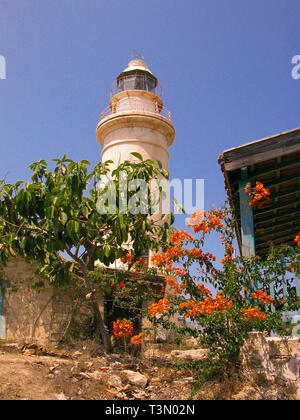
(135, 120)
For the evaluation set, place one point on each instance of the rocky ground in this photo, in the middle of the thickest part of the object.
(32, 373)
(87, 373)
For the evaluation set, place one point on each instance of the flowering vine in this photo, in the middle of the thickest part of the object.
(221, 301)
(258, 194)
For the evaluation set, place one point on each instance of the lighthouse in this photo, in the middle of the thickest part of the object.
(136, 120)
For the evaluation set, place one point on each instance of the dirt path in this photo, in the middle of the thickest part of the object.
(31, 376)
(24, 378)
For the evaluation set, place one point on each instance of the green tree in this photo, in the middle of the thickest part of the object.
(57, 220)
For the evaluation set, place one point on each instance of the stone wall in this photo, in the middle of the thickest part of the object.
(38, 315)
(275, 360)
(32, 314)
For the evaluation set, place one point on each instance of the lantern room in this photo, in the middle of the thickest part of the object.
(136, 76)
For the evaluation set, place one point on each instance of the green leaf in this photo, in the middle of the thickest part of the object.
(18, 184)
(76, 226)
(70, 228)
(137, 155)
(85, 212)
(49, 213)
(106, 251)
(23, 243)
(63, 218)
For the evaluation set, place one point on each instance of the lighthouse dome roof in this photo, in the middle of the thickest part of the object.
(137, 66)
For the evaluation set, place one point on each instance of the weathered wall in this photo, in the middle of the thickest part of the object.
(32, 314)
(273, 359)
(40, 315)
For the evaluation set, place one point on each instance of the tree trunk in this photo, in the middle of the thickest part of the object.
(101, 328)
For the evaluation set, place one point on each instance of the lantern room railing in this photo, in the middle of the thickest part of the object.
(158, 110)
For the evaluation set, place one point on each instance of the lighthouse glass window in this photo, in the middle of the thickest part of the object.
(136, 82)
(150, 85)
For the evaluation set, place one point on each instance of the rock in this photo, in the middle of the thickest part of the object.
(271, 394)
(116, 365)
(184, 381)
(61, 397)
(112, 381)
(135, 378)
(139, 395)
(298, 389)
(31, 346)
(156, 381)
(85, 375)
(117, 394)
(11, 345)
(247, 393)
(29, 352)
(115, 356)
(153, 353)
(192, 343)
(52, 368)
(96, 375)
(131, 366)
(90, 364)
(193, 354)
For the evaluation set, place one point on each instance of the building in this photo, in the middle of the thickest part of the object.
(135, 120)
(274, 161)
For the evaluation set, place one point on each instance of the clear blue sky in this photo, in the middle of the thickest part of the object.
(225, 67)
